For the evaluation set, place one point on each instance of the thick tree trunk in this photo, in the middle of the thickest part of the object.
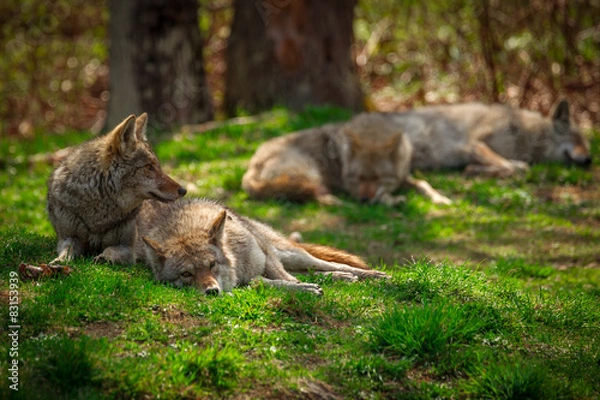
(291, 52)
(156, 63)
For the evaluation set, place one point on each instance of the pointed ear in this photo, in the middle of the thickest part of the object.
(123, 139)
(215, 233)
(156, 247)
(140, 127)
(561, 113)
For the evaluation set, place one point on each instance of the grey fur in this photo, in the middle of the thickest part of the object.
(96, 192)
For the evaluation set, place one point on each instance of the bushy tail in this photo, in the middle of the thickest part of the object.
(280, 187)
(327, 253)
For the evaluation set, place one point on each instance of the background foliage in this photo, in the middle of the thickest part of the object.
(524, 53)
(54, 66)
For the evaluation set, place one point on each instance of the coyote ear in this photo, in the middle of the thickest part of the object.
(124, 139)
(561, 113)
(215, 233)
(156, 247)
(140, 126)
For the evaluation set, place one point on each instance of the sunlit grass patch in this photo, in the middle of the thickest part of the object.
(509, 379)
(494, 296)
(518, 267)
(428, 331)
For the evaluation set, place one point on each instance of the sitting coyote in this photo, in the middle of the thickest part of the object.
(96, 192)
(368, 157)
(202, 244)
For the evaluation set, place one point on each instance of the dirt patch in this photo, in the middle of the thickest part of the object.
(261, 391)
(102, 329)
(323, 221)
(172, 315)
(568, 194)
(317, 390)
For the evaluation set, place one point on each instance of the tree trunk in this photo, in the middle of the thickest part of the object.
(291, 52)
(156, 63)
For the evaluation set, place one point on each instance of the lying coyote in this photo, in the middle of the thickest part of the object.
(201, 243)
(371, 155)
(490, 139)
(368, 157)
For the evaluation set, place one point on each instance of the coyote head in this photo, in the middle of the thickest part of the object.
(194, 259)
(130, 157)
(567, 143)
(375, 158)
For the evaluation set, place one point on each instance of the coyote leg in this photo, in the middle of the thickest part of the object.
(298, 260)
(425, 189)
(488, 162)
(301, 286)
(68, 249)
(116, 255)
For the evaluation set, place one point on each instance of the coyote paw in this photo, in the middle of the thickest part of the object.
(441, 199)
(67, 249)
(519, 166)
(311, 288)
(375, 274)
(115, 255)
(59, 260)
(340, 275)
(329, 200)
(102, 259)
(505, 171)
(391, 201)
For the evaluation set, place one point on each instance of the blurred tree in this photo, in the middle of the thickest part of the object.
(527, 54)
(291, 52)
(52, 69)
(156, 63)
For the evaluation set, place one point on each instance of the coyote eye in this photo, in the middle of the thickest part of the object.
(150, 167)
(186, 274)
(212, 264)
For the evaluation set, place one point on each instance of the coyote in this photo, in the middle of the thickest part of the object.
(203, 244)
(493, 139)
(96, 192)
(368, 157)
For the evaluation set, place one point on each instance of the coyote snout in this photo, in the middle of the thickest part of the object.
(193, 256)
(367, 192)
(162, 188)
(579, 156)
(207, 283)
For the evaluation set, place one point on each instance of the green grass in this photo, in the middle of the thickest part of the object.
(496, 296)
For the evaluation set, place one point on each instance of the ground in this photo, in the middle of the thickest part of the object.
(494, 296)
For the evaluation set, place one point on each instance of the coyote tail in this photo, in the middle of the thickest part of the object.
(332, 254)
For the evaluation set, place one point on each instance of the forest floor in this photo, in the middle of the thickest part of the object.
(494, 296)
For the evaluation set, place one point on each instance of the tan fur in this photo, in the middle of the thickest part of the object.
(295, 189)
(490, 139)
(95, 193)
(367, 157)
(203, 244)
(335, 255)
